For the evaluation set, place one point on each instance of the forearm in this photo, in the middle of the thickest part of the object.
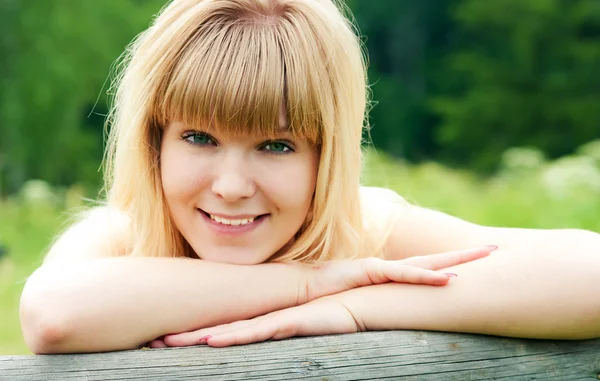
(548, 289)
(120, 303)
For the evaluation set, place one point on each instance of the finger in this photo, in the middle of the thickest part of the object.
(381, 271)
(262, 330)
(184, 339)
(452, 258)
(414, 275)
(157, 344)
(193, 337)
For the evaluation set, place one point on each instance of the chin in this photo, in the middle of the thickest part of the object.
(231, 256)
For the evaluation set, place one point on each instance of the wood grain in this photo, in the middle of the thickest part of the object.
(411, 355)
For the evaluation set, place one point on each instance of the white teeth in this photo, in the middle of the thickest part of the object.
(225, 221)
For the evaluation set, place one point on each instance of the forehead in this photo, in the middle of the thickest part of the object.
(241, 78)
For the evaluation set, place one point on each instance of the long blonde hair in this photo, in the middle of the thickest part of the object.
(232, 64)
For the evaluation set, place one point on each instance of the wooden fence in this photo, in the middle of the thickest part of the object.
(404, 355)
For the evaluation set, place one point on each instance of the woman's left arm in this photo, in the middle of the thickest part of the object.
(538, 284)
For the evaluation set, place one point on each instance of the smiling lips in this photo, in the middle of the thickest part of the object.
(226, 221)
(230, 222)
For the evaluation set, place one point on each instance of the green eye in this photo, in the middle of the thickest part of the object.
(277, 147)
(198, 138)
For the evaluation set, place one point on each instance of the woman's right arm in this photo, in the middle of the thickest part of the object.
(88, 297)
(82, 301)
(120, 303)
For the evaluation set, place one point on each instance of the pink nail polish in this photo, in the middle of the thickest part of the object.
(451, 275)
(490, 247)
(204, 339)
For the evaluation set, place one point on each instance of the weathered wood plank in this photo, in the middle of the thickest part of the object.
(362, 356)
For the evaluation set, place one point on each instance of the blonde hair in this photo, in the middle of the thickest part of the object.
(231, 64)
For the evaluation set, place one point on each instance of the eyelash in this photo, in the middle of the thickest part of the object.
(288, 146)
(190, 134)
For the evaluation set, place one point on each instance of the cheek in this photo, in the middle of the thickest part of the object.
(291, 187)
(181, 176)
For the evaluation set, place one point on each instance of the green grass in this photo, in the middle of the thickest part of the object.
(26, 232)
(514, 198)
(510, 199)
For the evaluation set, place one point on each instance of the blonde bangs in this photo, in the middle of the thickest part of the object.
(231, 66)
(234, 76)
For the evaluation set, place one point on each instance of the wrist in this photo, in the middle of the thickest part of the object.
(305, 280)
(301, 275)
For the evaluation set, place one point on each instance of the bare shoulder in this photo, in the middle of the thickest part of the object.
(379, 204)
(380, 207)
(98, 232)
(421, 231)
(415, 230)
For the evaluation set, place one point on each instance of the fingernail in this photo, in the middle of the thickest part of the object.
(204, 339)
(490, 247)
(451, 275)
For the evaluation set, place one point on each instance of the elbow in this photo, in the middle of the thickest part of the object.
(42, 327)
(42, 338)
(589, 242)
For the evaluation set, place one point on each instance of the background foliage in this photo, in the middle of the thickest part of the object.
(488, 110)
(457, 81)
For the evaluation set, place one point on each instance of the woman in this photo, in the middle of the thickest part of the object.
(236, 139)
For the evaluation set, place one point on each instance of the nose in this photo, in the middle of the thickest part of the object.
(233, 180)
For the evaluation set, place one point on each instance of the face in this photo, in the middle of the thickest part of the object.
(237, 200)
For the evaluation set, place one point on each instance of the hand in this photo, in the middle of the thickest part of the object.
(338, 276)
(320, 317)
(331, 278)
(157, 343)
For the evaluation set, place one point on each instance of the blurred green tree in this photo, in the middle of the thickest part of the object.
(526, 73)
(453, 80)
(405, 42)
(56, 56)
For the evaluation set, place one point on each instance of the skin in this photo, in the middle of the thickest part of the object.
(538, 284)
(60, 308)
(80, 301)
(237, 177)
